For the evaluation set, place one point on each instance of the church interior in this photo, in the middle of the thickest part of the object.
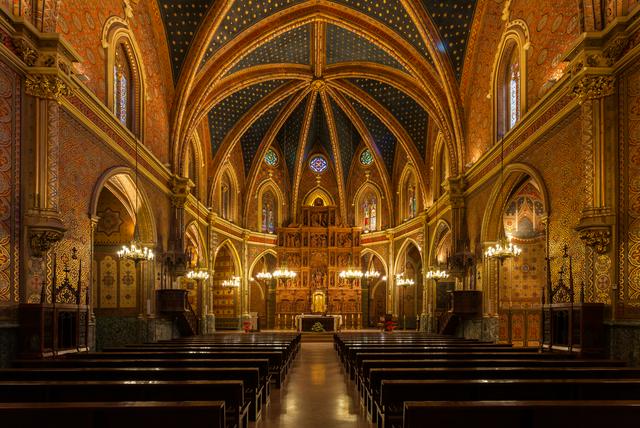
(406, 212)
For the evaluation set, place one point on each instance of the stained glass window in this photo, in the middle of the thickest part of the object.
(122, 87)
(271, 158)
(366, 157)
(514, 96)
(318, 164)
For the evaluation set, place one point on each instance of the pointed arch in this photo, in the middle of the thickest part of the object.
(440, 232)
(509, 78)
(121, 182)
(224, 193)
(408, 194)
(367, 198)
(235, 256)
(403, 248)
(192, 164)
(513, 175)
(125, 77)
(440, 164)
(194, 233)
(318, 193)
(268, 220)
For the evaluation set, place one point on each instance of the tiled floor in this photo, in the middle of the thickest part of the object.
(316, 394)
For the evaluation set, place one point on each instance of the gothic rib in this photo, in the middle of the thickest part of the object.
(362, 129)
(268, 140)
(302, 143)
(390, 122)
(337, 156)
(234, 135)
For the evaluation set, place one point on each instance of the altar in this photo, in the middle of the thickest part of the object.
(328, 322)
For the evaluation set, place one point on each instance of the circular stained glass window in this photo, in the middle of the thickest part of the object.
(271, 157)
(366, 157)
(318, 164)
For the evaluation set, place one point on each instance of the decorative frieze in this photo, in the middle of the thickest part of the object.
(598, 239)
(593, 87)
(42, 239)
(47, 86)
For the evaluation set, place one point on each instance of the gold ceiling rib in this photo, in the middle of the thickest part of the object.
(290, 18)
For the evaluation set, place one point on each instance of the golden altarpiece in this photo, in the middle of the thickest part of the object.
(318, 250)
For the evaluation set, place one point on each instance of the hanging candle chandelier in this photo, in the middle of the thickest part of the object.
(136, 252)
(233, 282)
(198, 274)
(351, 274)
(503, 250)
(401, 281)
(283, 273)
(264, 276)
(372, 274)
(437, 274)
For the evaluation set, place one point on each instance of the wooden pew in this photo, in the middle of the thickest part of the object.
(363, 384)
(276, 366)
(533, 414)
(249, 376)
(231, 392)
(209, 414)
(395, 392)
(262, 365)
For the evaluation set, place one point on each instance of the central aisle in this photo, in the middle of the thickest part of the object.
(315, 394)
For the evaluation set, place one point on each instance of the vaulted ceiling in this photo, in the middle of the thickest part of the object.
(297, 73)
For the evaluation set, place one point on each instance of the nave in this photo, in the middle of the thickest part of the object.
(364, 379)
(316, 394)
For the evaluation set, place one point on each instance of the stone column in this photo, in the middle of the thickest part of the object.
(599, 158)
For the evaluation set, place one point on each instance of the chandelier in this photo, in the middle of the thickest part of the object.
(372, 274)
(401, 281)
(135, 251)
(436, 274)
(264, 276)
(234, 282)
(351, 274)
(502, 250)
(283, 273)
(198, 274)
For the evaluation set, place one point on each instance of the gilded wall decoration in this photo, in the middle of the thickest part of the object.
(603, 279)
(587, 152)
(108, 283)
(9, 183)
(629, 196)
(128, 284)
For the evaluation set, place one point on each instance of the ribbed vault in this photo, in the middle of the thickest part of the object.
(297, 74)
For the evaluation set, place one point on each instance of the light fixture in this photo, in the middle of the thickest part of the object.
(401, 281)
(135, 251)
(503, 250)
(351, 274)
(198, 274)
(264, 276)
(437, 274)
(283, 273)
(372, 274)
(233, 282)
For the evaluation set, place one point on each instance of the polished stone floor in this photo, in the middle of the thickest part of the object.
(316, 394)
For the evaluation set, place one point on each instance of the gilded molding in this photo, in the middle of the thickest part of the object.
(615, 49)
(26, 52)
(593, 87)
(47, 86)
(598, 239)
(41, 240)
(180, 190)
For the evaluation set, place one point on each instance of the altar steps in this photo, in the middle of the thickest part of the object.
(317, 337)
